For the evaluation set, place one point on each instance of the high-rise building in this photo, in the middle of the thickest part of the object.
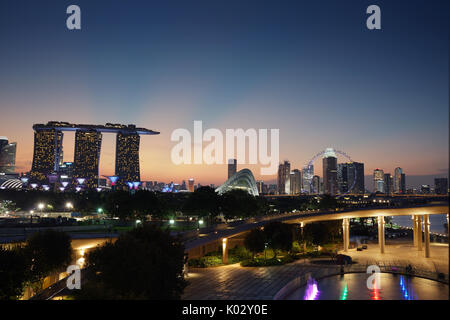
(283, 181)
(46, 153)
(127, 157)
(260, 186)
(232, 167)
(66, 169)
(441, 185)
(342, 177)
(295, 181)
(397, 180)
(316, 185)
(87, 157)
(351, 177)
(378, 180)
(329, 164)
(388, 186)
(191, 186)
(7, 156)
(403, 183)
(307, 176)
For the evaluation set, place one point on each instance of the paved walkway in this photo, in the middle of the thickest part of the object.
(262, 283)
(402, 253)
(235, 282)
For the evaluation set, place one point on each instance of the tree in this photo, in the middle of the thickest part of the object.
(145, 263)
(279, 236)
(48, 251)
(203, 202)
(238, 203)
(13, 273)
(254, 241)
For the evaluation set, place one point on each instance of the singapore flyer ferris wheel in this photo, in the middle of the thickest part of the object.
(328, 152)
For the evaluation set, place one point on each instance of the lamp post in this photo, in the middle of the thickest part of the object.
(41, 207)
(69, 205)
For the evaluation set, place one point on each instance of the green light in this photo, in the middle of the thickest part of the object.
(99, 210)
(344, 293)
(171, 221)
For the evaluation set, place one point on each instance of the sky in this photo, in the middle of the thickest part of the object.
(308, 68)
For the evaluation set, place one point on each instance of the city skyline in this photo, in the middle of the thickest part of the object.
(320, 77)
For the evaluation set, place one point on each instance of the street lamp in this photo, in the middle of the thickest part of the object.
(200, 222)
(171, 221)
(41, 206)
(69, 205)
(265, 247)
(99, 210)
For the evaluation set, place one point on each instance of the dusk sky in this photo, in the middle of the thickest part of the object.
(311, 69)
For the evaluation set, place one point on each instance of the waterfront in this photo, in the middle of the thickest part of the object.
(436, 222)
(353, 286)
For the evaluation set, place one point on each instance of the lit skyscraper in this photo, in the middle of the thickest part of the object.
(403, 183)
(191, 185)
(329, 163)
(398, 180)
(316, 185)
(232, 167)
(441, 185)
(378, 180)
(351, 177)
(342, 176)
(127, 157)
(87, 157)
(7, 156)
(388, 186)
(46, 153)
(295, 181)
(283, 181)
(307, 176)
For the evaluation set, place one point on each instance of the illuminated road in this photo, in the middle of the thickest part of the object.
(314, 217)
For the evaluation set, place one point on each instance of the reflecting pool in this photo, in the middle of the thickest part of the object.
(354, 286)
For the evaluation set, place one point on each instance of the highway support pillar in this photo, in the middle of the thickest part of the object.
(224, 251)
(419, 233)
(381, 238)
(426, 226)
(415, 233)
(346, 233)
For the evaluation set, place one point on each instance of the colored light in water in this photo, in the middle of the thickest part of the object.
(344, 293)
(312, 291)
(405, 292)
(375, 294)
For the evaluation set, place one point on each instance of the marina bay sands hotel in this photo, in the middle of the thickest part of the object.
(48, 143)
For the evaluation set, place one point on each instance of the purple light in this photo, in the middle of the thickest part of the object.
(65, 183)
(24, 179)
(46, 187)
(113, 179)
(130, 185)
(78, 189)
(61, 188)
(136, 185)
(81, 180)
(34, 185)
(99, 189)
(312, 291)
